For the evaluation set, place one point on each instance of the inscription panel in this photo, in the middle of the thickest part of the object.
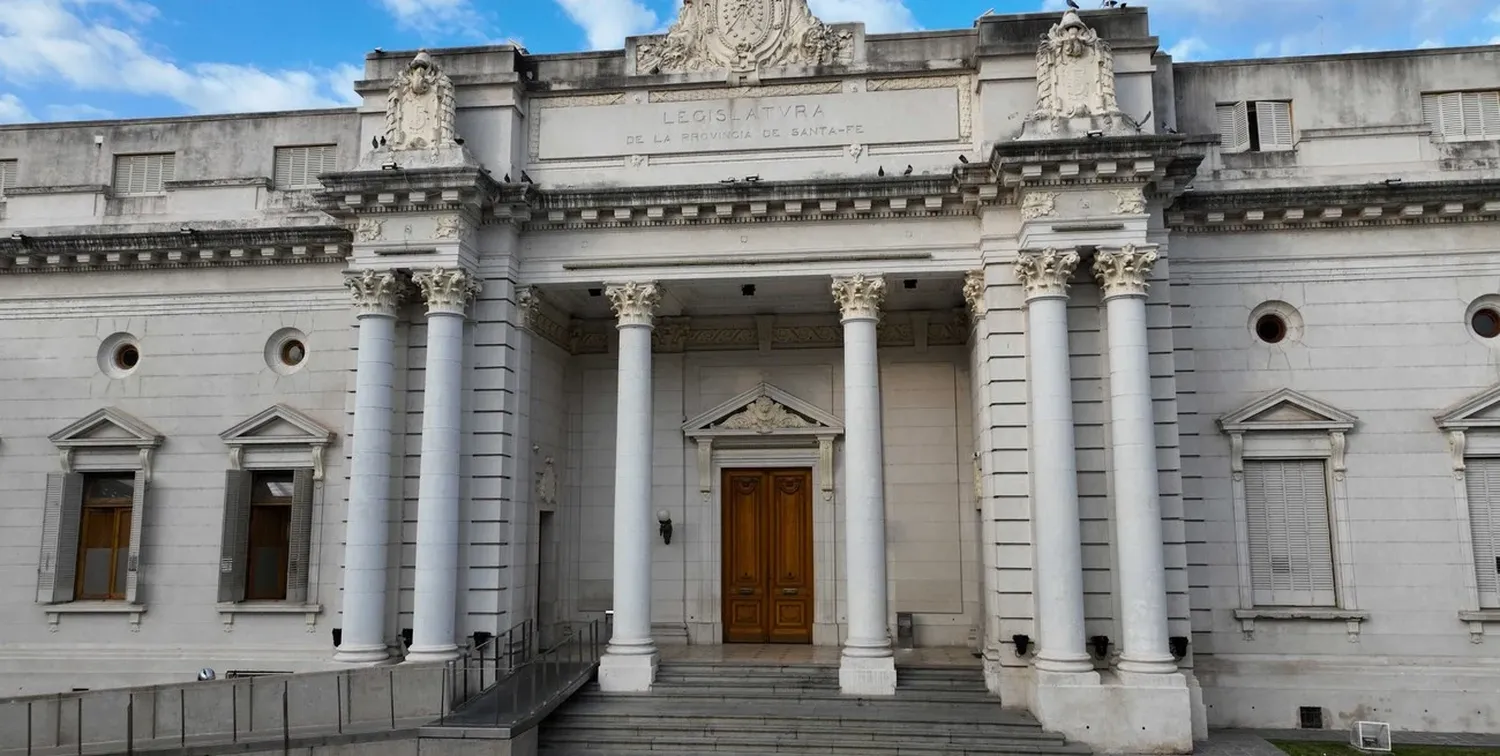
(749, 123)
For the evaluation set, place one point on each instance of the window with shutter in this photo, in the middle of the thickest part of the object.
(1274, 125)
(1463, 115)
(61, 515)
(299, 167)
(234, 543)
(1291, 553)
(1234, 127)
(143, 174)
(8, 170)
(1482, 479)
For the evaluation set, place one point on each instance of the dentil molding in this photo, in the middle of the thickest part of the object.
(859, 296)
(634, 302)
(448, 291)
(1123, 271)
(1046, 273)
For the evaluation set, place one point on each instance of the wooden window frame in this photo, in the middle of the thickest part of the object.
(1472, 431)
(87, 505)
(1287, 425)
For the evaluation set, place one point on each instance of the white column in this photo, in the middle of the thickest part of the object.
(435, 611)
(1054, 501)
(868, 665)
(1122, 276)
(629, 663)
(376, 297)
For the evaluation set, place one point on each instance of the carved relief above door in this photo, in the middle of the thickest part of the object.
(768, 556)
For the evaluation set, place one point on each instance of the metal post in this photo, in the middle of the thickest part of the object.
(182, 717)
(443, 697)
(338, 692)
(80, 726)
(130, 726)
(286, 724)
(392, 691)
(234, 713)
(28, 728)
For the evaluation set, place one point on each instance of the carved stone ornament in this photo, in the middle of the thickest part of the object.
(370, 230)
(764, 415)
(377, 292)
(1122, 272)
(448, 227)
(1130, 201)
(974, 294)
(1075, 85)
(529, 306)
(634, 302)
(743, 36)
(420, 109)
(859, 296)
(448, 291)
(1038, 205)
(546, 485)
(1046, 273)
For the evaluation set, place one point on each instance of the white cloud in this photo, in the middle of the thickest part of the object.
(431, 15)
(12, 110)
(607, 23)
(1188, 48)
(879, 16)
(1494, 16)
(78, 112)
(81, 44)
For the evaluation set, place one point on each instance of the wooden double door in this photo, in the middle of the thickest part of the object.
(768, 555)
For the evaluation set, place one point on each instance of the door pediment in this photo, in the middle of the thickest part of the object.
(763, 411)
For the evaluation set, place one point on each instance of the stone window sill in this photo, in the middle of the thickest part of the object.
(1352, 619)
(1476, 620)
(309, 612)
(56, 611)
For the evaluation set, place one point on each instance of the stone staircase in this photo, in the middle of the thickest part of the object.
(734, 709)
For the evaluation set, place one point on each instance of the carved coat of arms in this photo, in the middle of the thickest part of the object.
(743, 35)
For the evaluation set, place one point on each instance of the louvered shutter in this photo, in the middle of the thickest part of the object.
(1234, 127)
(1291, 553)
(7, 175)
(234, 543)
(1481, 114)
(1444, 113)
(283, 169)
(299, 167)
(61, 513)
(133, 557)
(144, 174)
(1483, 482)
(1274, 125)
(299, 537)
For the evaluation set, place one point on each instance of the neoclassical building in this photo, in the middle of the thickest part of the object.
(1171, 390)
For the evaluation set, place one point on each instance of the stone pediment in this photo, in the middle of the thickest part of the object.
(1287, 410)
(107, 428)
(763, 411)
(1479, 411)
(742, 37)
(279, 425)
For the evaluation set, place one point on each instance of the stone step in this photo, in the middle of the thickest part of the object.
(718, 690)
(613, 743)
(864, 730)
(985, 713)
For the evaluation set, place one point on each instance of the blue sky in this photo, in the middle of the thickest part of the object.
(88, 59)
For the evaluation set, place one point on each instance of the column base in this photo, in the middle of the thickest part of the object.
(867, 675)
(1162, 664)
(1123, 712)
(350, 654)
(428, 654)
(627, 673)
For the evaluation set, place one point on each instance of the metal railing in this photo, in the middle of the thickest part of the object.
(268, 710)
(530, 689)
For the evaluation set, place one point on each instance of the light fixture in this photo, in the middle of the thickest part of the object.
(664, 526)
(1179, 646)
(1095, 134)
(391, 167)
(910, 283)
(408, 636)
(1023, 643)
(1099, 644)
(748, 290)
(206, 674)
(19, 237)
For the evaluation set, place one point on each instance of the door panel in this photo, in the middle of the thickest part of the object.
(768, 580)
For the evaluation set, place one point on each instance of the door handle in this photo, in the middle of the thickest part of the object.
(788, 591)
(747, 591)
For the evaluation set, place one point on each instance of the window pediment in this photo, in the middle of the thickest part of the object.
(1287, 410)
(1479, 411)
(108, 431)
(763, 411)
(278, 427)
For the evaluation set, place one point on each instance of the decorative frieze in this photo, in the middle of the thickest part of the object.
(189, 248)
(1123, 271)
(764, 415)
(1131, 201)
(448, 291)
(378, 292)
(859, 296)
(634, 302)
(1038, 205)
(1046, 273)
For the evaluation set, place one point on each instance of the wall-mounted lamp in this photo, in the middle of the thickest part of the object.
(1099, 644)
(1023, 643)
(1179, 646)
(664, 526)
(207, 674)
(407, 635)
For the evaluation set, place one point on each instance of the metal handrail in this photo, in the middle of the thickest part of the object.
(547, 673)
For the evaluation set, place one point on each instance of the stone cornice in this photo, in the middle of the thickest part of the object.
(1165, 162)
(424, 190)
(1338, 206)
(754, 202)
(191, 248)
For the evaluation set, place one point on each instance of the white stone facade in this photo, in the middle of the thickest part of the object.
(1167, 388)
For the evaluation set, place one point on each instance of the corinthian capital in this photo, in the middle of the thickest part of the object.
(1046, 273)
(448, 291)
(859, 296)
(377, 292)
(974, 294)
(1122, 272)
(634, 302)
